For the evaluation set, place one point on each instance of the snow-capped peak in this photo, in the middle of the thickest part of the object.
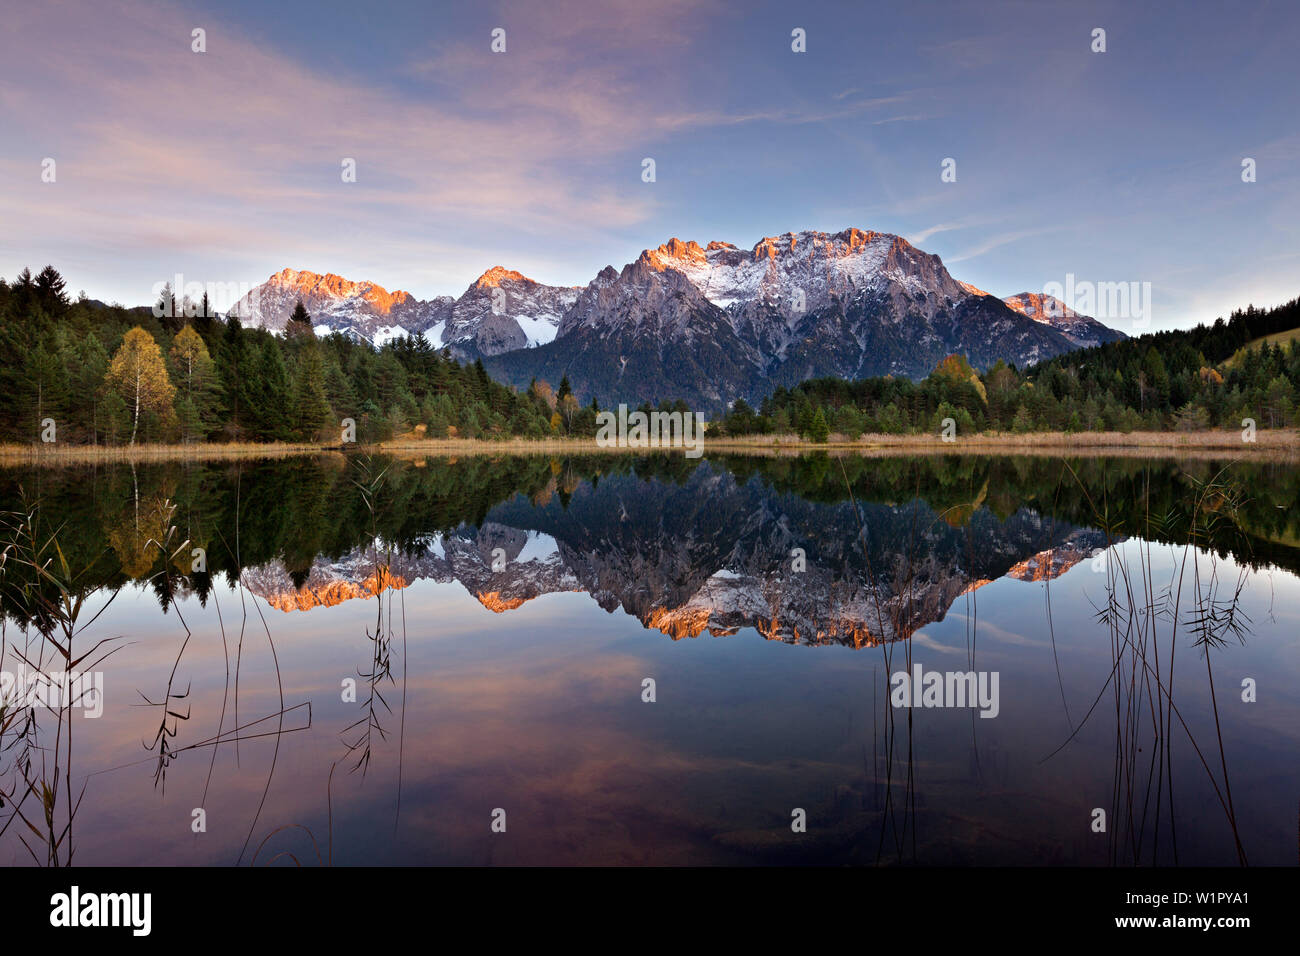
(800, 271)
(1040, 307)
(497, 275)
(502, 310)
(1082, 330)
(360, 309)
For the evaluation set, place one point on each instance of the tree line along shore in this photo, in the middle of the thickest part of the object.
(96, 380)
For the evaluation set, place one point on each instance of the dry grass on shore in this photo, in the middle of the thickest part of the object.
(1270, 445)
(55, 455)
(1285, 440)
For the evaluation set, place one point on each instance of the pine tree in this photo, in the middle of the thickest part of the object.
(50, 292)
(87, 363)
(819, 431)
(234, 359)
(25, 289)
(299, 324)
(187, 418)
(803, 416)
(1277, 402)
(339, 392)
(115, 417)
(266, 393)
(1022, 422)
(849, 421)
(311, 409)
(166, 307)
(44, 386)
(471, 424)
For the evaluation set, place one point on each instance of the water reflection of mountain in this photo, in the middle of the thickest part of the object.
(714, 554)
(685, 545)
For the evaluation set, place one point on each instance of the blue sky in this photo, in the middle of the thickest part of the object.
(225, 166)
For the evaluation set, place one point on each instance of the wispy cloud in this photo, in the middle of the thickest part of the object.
(237, 152)
(996, 242)
(228, 163)
(917, 238)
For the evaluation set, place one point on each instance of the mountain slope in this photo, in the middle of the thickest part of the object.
(503, 311)
(361, 310)
(500, 311)
(708, 554)
(714, 323)
(646, 333)
(705, 324)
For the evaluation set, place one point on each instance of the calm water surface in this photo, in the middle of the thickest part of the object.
(498, 620)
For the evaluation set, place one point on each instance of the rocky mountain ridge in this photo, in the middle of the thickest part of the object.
(708, 324)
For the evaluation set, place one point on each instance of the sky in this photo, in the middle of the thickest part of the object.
(226, 166)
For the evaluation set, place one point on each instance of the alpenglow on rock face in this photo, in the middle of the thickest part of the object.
(645, 547)
(502, 310)
(714, 323)
(1083, 330)
(707, 324)
(362, 310)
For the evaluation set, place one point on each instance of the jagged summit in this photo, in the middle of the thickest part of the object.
(362, 310)
(630, 549)
(1040, 306)
(316, 284)
(498, 274)
(1083, 330)
(502, 310)
(796, 273)
(715, 322)
(807, 243)
(675, 250)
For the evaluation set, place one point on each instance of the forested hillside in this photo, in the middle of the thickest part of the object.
(1178, 380)
(112, 375)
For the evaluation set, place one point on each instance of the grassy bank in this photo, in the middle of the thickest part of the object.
(1274, 445)
(12, 455)
(1285, 441)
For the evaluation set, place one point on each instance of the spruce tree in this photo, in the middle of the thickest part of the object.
(311, 409)
(44, 383)
(50, 292)
(299, 324)
(819, 431)
(267, 394)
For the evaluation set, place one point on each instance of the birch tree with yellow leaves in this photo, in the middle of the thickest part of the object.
(139, 375)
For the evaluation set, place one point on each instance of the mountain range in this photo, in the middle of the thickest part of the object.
(707, 324)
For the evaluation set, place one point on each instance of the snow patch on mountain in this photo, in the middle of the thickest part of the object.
(387, 333)
(433, 334)
(360, 309)
(538, 329)
(704, 323)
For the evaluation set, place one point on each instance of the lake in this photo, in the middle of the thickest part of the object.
(936, 660)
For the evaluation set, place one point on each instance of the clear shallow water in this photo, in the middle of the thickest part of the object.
(519, 686)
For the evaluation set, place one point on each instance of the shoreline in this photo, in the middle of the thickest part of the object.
(1280, 445)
